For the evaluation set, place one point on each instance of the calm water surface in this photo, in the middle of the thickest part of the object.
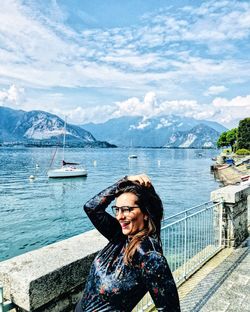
(40, 212)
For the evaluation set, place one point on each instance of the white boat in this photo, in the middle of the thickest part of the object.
(68, 169)
(67, 172)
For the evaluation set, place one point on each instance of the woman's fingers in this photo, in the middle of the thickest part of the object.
(142, 179)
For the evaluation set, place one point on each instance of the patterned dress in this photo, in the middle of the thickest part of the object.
(114, 286)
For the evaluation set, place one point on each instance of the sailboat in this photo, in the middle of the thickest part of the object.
(68, 169)
(131, 156)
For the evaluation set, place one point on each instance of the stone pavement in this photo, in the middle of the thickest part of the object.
(234, 294)
(225, 288)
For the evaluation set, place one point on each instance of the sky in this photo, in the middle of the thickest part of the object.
(96, 60)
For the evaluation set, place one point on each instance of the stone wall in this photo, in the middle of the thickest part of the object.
(235, 213)
(50, 278)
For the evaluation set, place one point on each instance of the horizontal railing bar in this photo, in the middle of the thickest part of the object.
(187, 210)
(187, 217)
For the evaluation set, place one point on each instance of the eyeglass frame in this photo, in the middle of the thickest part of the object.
(116, 210)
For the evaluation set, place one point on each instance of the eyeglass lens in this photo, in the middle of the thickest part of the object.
(124, 209)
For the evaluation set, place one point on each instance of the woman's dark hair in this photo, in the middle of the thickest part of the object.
(150, 204)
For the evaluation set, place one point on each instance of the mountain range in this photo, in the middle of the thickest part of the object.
(39, 128)
(164, 131)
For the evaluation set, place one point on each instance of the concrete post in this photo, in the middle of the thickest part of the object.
(235, 213)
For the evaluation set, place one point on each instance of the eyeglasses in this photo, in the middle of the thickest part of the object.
(125, 210)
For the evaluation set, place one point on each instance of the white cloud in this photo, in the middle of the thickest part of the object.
(136, 107)
(151, 106)
(214, 21)
(179, 54)
(141, 125)
(222, 110)
(130, 58)
(92, 57)
(214, 90)
(12, 96)
(237, 102)
(163, 123)
(178, 107)
(80, 115)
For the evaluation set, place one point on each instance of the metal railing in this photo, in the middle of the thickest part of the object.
(7, 305)
(189, 239)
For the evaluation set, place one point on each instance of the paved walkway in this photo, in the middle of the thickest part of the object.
(226, 288)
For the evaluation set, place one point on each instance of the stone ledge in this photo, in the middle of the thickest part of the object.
(231, 193)
(38, 277)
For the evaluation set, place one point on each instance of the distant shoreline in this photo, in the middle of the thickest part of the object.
(98, 145)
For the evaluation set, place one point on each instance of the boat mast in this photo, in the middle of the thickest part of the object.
(64, 134)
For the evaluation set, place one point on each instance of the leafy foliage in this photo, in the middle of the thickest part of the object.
(243, 140)
(228, 138)
(232, 137)
(222, 141)
(237, 138)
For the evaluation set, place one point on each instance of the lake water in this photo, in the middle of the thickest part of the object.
(39, 212)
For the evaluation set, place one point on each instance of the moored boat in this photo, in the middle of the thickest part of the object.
(67, 172)
(68, 169)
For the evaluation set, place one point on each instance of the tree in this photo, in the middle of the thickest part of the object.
(222, 141)
(243, 140)
(228, 138)
(231, 137)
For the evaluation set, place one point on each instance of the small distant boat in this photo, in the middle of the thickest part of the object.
(223, 167)
(132, 156)
(68, 169)
(229, 161)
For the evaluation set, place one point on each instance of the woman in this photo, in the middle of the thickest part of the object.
(132, 263)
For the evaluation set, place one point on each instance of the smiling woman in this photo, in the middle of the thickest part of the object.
(130, 217)
(132, 263)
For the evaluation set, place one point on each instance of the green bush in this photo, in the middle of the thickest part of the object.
(243, 151)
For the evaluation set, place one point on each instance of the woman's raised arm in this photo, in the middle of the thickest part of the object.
(95, 208)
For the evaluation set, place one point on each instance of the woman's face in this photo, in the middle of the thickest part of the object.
(132, 222)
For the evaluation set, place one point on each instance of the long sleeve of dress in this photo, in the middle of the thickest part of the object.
(95, 208)
(160, 283)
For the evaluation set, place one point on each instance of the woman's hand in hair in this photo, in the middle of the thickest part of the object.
(142, 179)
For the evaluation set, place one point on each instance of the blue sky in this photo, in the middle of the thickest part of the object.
(95, 60)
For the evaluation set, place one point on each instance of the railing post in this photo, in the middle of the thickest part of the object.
(5, 306)
(1, 298)
(235, 229)
(220, 221)
(185, 245)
